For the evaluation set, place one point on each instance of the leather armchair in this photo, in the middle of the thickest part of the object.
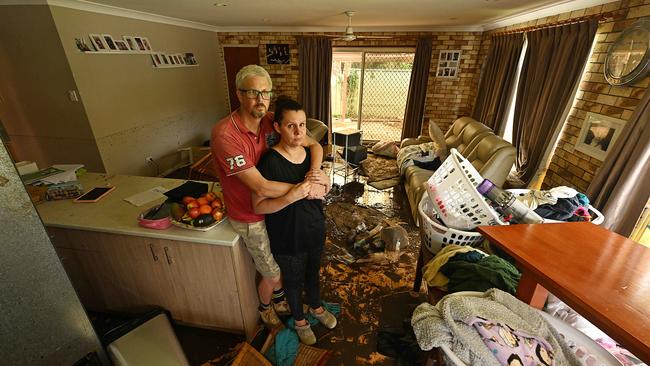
(493, 157)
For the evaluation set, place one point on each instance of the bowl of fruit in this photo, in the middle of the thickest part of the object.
(202, 213)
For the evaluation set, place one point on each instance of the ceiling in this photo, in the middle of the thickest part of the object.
(313, 15)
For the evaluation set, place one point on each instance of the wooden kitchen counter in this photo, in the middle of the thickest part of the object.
(205, 279)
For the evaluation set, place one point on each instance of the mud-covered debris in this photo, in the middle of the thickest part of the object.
(395, 237)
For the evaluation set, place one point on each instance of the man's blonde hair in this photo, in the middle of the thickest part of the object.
(252, 70)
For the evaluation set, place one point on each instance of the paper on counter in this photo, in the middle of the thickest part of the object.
(147, 196)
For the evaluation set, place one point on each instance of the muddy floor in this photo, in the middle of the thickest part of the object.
(374, 289)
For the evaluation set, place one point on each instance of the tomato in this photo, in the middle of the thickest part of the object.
(203, 201)
(205, 209)
(193, 204)
(187, 199)
(218, 215)
(210, 196)
(194, 213)
(216, 203)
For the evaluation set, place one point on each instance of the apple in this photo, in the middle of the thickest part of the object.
(187, 199)
(193, 204)
(194, 213)
(217, 203)
(210, 196)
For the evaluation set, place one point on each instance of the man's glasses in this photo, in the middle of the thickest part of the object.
(254, 94)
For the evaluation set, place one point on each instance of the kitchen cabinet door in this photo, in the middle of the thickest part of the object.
(204, 279)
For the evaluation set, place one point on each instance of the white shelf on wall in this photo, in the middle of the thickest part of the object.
(172, 66)
(118, 52)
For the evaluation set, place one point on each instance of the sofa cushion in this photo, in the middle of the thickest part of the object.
(469, 137)
(493, 157)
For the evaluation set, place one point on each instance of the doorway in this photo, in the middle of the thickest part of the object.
(369, 91)
(235, 57)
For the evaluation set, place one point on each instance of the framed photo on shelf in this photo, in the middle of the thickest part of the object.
(98, 42)
(448, 64)
(110, 42)
(598, 135)
(190, 59)
(156, 59)
(130, 41)
(172, 59)
(146, 44)
(121, 45)
(81, 45)
(181, 59)
(164, 58)
(139, 44)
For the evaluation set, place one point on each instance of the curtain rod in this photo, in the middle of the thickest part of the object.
(600, 17)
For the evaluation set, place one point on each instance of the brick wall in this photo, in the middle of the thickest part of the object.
(447, 99)
(568, 166)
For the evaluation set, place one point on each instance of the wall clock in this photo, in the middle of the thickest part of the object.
(628, 58)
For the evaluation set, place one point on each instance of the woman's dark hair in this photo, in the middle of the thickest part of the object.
(285, 103)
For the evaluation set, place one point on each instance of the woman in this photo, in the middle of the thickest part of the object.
(295, 224)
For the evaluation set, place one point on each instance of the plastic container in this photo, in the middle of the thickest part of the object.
(158, 224)
(452, 188)
(436, 236)
(597, 217)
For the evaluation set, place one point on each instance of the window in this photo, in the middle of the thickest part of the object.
(369, 91)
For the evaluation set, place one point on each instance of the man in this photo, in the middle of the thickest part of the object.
(238, 141)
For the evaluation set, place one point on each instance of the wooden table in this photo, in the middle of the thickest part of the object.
(603, 276)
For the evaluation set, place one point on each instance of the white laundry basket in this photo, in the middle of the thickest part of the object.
(597, 217)
(436, 236)
(452, 189)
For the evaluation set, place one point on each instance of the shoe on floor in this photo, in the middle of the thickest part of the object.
(270, 318)
(326, 318)
(282, 307)
(305, 334)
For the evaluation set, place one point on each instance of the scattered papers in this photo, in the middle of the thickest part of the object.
(147, 196)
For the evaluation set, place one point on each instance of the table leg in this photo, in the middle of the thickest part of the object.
(530, 291)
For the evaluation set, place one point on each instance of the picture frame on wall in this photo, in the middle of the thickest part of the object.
(110, 42)
(98, 42)
(448, 64)
(278, 54)
(598, 134)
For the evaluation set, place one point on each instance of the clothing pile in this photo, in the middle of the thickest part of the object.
(424, 155)
(491, 329)
(463, 268)
(559, 204)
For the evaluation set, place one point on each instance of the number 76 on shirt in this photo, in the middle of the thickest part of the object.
(236, 160)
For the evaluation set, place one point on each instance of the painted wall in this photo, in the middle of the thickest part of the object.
(568, 166)
(43, 124)
(447, 99)
(136, 110)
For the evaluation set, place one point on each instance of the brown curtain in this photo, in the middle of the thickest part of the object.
(412, 125)
(498, 81)
(550, 73)
(315, 67)
(621, 187)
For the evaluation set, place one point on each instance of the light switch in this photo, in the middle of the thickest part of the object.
(72, 95)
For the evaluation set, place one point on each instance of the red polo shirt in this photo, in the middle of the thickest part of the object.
(235, 149)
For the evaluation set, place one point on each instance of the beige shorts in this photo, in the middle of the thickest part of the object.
(257, 242)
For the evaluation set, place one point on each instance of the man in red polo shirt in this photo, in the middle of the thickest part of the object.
(238, 141)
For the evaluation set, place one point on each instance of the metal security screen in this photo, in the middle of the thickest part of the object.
(369, 92)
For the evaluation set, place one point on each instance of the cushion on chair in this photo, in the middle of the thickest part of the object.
(453, 134)
(470, 136)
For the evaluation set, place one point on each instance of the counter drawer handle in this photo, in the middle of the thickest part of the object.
(169, 257)
(153, 253)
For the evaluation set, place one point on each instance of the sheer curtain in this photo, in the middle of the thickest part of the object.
(621, 187)
(498, 81)
(417, 89)
(315, 67)
(550, 74)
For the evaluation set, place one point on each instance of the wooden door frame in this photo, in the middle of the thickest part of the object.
(225, 69)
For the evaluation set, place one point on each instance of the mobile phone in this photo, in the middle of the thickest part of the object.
(94, 194)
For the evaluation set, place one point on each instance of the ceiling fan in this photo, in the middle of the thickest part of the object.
(349, 32)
